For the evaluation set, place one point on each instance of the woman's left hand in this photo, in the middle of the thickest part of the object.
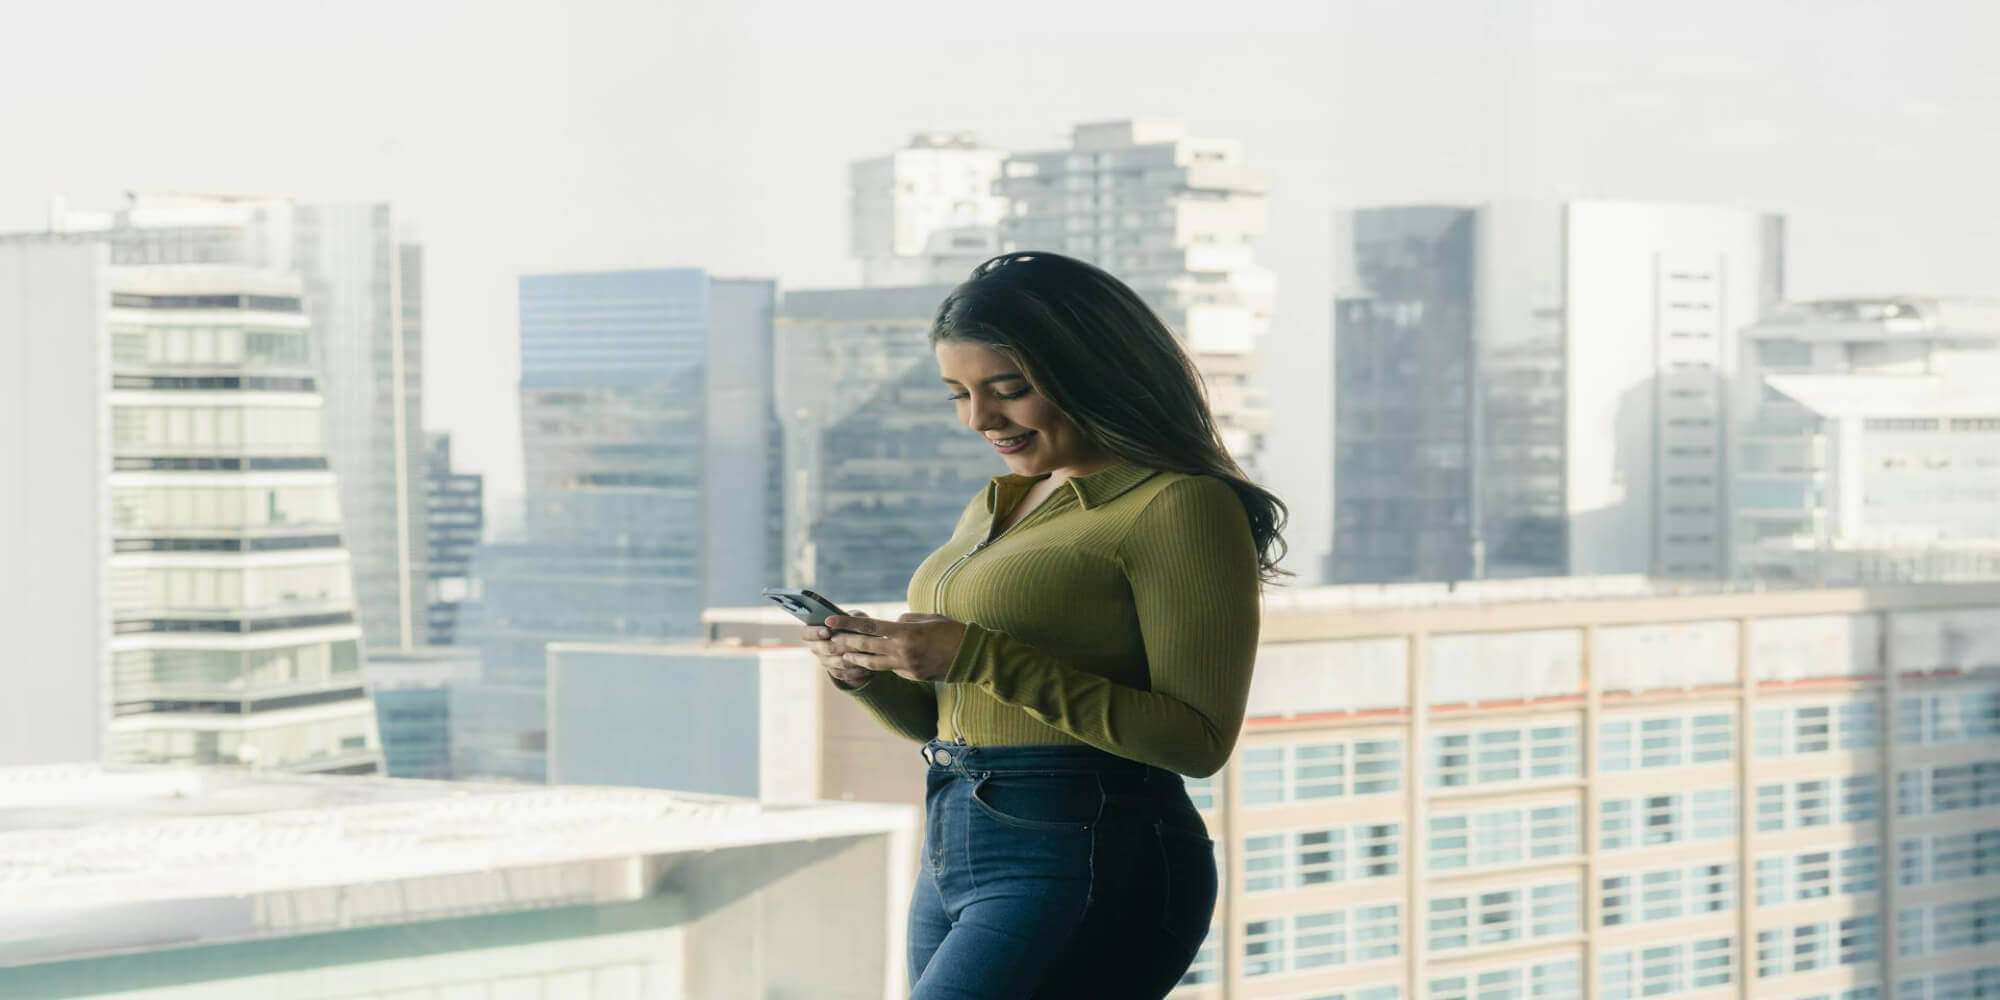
(918, 647)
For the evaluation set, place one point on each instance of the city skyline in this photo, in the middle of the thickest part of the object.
(1548, 101)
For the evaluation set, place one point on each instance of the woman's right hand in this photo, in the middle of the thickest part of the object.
(818, 640)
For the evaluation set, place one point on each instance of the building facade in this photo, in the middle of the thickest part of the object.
(1868, 442)
(1605, 788)
(1531, 389)
(234, 633)
(1176, 218)
(926, 213)
(363, 290)
(651, 488)
(455, 524)
(877, 467)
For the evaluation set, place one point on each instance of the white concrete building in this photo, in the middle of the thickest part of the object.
(1533, 389)
(1175, 217)
(1868, 441)
(926, 213)
(185, 883)
(234, 638)
(55, 527)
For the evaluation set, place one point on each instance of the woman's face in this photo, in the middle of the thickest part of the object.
(994, 398)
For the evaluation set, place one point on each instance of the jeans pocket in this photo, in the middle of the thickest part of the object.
(1189, 885)
(1047, 803)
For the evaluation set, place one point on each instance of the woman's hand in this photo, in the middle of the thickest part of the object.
(918, 647)
(833, 660)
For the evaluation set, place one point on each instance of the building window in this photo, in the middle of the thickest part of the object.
(1714, 813)
(1319, 771)
(1860, 798)
(1263, 947)
(1319, 939)
(1771, 888)
(1714, 739)
(1660, 895)
(1812, 875)
(1770, 808)
(1377, 932)
(1860, 939)
(1860, 869)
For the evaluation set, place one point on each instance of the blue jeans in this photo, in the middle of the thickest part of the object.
(1053, 872)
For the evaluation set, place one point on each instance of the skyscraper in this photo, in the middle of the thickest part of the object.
(877, 466)
(364, 290)
(1175, 217)
(651, 449)
(455, 523)
(1535, 389)
(926, 213)
(364, 293)
(232, 634)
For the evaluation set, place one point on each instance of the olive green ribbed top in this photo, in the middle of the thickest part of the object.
(1122, 613)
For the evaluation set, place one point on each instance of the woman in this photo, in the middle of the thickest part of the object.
(1083, 640)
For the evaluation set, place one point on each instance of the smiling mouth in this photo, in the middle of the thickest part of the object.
(1015, 441)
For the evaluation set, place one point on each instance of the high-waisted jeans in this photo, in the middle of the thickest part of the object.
(1054, 872)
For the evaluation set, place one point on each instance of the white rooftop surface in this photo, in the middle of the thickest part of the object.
(1889, 395)
(90, 835)
(1320, 600)
(1897, 317)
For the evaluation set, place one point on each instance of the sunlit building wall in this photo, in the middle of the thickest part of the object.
(1530, 389)
(1601, 787)
(1868, 442)
(926, 213)
(651, 449)
(55, 530)
(1175, 217)
(234, 634)
(363, 289)
(877, 466)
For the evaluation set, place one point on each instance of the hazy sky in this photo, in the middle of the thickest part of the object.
(531, 135)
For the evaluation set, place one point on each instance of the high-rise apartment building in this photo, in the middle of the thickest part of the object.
(1602, 788)
(651, 449)
(926, 213)
(1175, 217)
(363, 291)
(1868, 442)
(877, 465)
(232, 633)
(1533, 389)
(55, 529)
(455, 523)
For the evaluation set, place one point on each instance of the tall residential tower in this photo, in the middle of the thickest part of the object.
(1176, 218)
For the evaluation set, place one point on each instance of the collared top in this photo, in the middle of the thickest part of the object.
(1092, 490)
(1121, 612)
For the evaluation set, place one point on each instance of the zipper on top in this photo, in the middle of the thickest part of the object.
(937, 605)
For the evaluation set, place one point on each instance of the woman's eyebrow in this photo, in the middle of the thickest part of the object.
(996, 378)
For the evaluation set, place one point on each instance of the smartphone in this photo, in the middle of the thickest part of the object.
(807, 606)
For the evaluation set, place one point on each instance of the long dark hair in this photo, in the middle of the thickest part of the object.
(1094, 348)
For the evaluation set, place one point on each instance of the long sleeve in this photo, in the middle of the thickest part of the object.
(909, 708)
(1192, 566)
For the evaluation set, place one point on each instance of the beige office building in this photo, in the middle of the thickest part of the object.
(1606, 788)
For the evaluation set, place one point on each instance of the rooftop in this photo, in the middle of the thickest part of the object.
(94, 834)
